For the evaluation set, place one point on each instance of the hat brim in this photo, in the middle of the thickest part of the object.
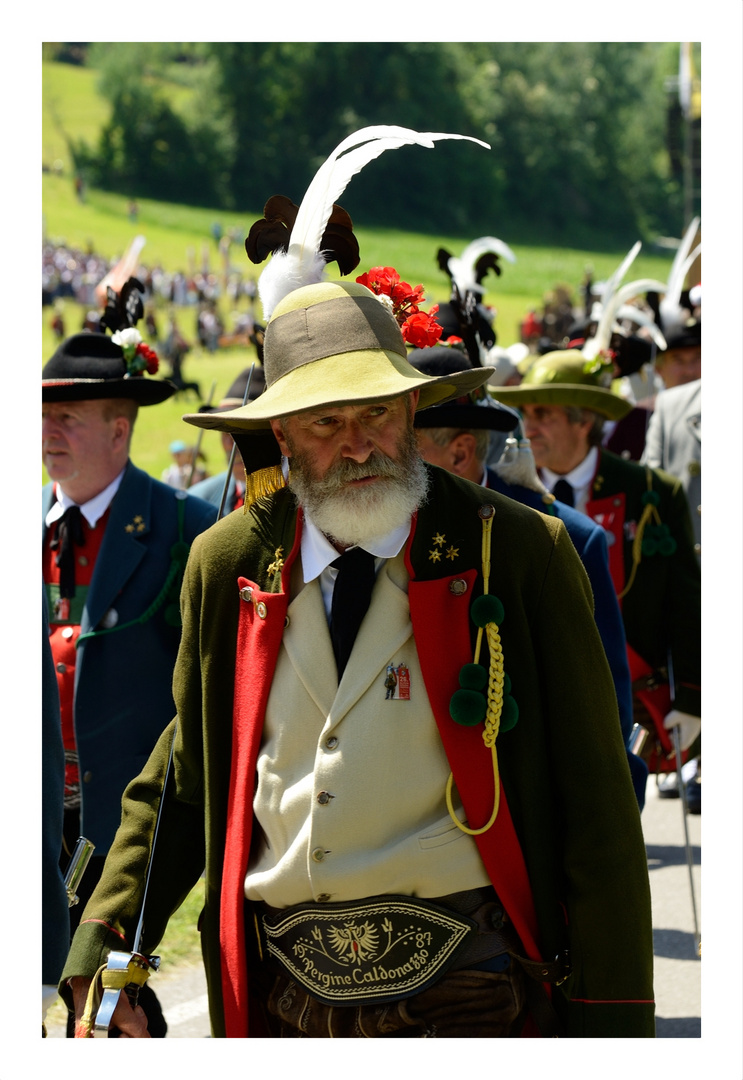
(565, 394)
(339, 380)
(473, 417)
(143, 391)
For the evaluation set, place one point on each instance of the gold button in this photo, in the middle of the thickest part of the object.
(82, 560)
(458, 586)
(486, 511)
(87, 777)
(318, 855)
(261, 610)
(324, 797)
(323, 898)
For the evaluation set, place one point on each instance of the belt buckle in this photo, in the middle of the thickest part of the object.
(372, 950)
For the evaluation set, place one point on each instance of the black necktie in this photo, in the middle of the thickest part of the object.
(564, 492)
(67, 534)
(351, 597)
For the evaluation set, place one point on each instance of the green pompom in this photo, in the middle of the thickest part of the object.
(509, 714)
(473, 677)
(487, 609)
(649, 547)
(467, 708)
(667, 546)
(650, 497)
(506, 683)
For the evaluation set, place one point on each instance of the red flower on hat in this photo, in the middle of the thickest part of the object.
(150, 358)
(421, 330)
(418, 328)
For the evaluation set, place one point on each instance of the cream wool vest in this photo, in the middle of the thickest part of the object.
(350, 792)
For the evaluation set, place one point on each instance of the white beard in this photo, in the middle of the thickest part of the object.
(359, 515)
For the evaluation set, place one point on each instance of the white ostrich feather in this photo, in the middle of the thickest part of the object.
(670, 304)
(463, 268)
(630, 313)
(302, 263)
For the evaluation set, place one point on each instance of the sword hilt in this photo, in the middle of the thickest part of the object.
(124, 972)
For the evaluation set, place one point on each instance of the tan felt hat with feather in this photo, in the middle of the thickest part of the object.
(333, 344)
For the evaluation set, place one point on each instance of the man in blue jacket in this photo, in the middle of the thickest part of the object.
(114, 546)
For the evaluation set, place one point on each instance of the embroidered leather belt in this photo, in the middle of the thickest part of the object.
(383, 948)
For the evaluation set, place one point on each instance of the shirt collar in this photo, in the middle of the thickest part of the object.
(579, 477)
(318, 553)
(93, 510)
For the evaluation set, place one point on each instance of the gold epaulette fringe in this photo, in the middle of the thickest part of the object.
(263, 482)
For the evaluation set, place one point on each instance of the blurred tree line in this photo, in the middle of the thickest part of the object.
(584, 135)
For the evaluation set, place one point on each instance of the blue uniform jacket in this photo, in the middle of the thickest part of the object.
(123, 695)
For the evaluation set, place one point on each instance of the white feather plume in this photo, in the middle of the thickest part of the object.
(302, 263)
(463, 268)
(607, 307)
(670, 309)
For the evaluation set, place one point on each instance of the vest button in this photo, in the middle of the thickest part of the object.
(67, 633)
(62, 669)
(331, 742)
(318, 855)
(82, 560)
(246, 593)
(87, 777)
(110, 619)
(261, 610)
(324, 797)
(458, 587)
(323, 898)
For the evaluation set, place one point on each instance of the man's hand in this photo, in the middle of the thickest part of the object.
(689, 726)
(131, 1023)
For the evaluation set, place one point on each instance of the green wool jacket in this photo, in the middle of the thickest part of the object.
(567, 799)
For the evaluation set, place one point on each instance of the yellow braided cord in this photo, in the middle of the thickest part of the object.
(495, 686)
(495, 693)
(84, 1029)
(650, 511)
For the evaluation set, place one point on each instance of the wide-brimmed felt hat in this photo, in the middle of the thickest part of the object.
(475, 410)
(89, 366)
(334, 344)
(566, 378)
(235, 396)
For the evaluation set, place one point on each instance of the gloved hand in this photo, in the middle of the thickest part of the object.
(689, 726)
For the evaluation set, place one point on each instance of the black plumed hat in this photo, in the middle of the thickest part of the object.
(476, 410)
(90, 366)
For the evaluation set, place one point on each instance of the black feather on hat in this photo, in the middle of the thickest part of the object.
(89, 366)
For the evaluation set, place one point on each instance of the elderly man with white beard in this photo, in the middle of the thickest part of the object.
(396, 754)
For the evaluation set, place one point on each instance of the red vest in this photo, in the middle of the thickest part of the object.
(64, 625)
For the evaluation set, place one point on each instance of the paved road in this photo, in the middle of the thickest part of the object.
(182, 991)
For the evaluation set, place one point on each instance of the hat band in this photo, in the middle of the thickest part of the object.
(342, 325)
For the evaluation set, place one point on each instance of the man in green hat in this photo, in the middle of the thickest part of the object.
(565, 400)
(461, 857)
